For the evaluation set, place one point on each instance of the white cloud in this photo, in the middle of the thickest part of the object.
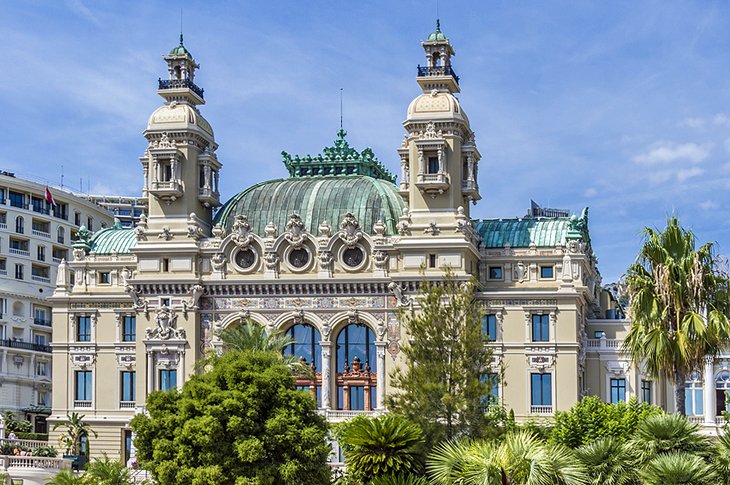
(667, 152)
(709, 205)
(721, 119)
(687, 173)
(660, 176)
(591, 192)
(77, 7)
(693, 122)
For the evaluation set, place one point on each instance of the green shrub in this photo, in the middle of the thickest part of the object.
(48, 451)
(31, 436)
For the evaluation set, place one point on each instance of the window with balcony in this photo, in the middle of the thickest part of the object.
(433, 165)
(83, 391)
(646, 394)
(19, 272)
(128, 379)
(3, 266)
(60, 210)
(59, 254)
(2, 196)
(40, 339)
(541, 392)
(41, 369)
(83, 329)
(16, 199)
(42, 316)
(41, 274)
(20, 245)
(61, 235)
(20, 225)
(41, 228)
(168, 379)
(618, 390)
(129, 328)
(3, 220)
(41, 253)
(38, 205)
(77, 218)
(540, 328)
(356, 368)
(489, 327)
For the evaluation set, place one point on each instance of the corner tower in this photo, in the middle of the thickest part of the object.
(181, 170)
(438, 157)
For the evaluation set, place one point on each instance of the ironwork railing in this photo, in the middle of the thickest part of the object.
(19, 344)
(424, 71)
(42, 321)
(180, 84)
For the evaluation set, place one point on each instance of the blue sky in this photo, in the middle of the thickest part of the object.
(622, 106)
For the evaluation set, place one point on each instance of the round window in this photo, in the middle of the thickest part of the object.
(353, 257)
(245, 258)
(299, 257)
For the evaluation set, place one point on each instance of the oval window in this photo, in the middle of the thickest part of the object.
(299, 257)
(353, 257)
(245, 258)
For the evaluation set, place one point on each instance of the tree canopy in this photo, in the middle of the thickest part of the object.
(240, 423)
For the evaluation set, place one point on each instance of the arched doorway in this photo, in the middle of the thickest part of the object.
(356, 368)
(306, 348)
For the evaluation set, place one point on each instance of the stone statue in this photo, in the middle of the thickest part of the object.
(403, 300)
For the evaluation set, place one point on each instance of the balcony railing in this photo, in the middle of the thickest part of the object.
(40, 279)
(20, 252)
(82, 404)
(541, 409)
(42, 321)
(41, 233)
(3, 225)
(424, 71)
(180, 84)
(3, 272)
(19, 344)
(604, 343)
(127, 404)
(33, 462)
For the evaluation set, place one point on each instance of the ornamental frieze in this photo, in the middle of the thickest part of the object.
(101, 306)
(281, 303)
(520, 302)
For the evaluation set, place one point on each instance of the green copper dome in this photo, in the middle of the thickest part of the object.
(541, 231)
(321, 188)
(180, 50)
(437, 34)
(113, 239)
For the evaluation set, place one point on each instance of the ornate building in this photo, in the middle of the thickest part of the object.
(327, 255)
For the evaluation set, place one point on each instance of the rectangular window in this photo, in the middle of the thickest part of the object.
(41, 368)
(128, 384)
(40, 339)
(495, 273)
(546, 272)
(492, 380)
(41, 253)
(618, 390)
(19, 272)
(598, 333)
(127, 444)
(77, 218)
(60, 210)
(83, 385)
(83, 329)
(19, 225)
(357, 397)
(165, 265)
(43, 398)
(89, 223)
(541, 389)
(433, 165)
(16, 199)
(489, 327)
(168, 379)
(105, 278)
(38, 205)
(694, 405)
(129, 328)
(646, 392)
(431, 260)
(540, 328)
(3, 265)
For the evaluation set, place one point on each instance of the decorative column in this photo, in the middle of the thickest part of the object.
(380, 396)
(326, 378)
(709, 390)
(150, 372)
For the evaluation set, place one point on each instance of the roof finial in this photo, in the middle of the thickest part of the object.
(438, 21)
(181, 26)
(340, 108)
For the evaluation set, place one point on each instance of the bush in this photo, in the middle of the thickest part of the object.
(48, 451)
(31, 436)
(592, 418)
(14, 426)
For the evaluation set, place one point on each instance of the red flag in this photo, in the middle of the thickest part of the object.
(49, 198)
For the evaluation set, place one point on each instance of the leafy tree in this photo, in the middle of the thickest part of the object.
(678, 306)
(591, 418)
(609, 461)
(668, 433)
(76, 429)
(381, 446)
(13, 425)
(241, 422)
(720, 458)
(105, 471)
(678, 469)
(444, 395)
(521, 459)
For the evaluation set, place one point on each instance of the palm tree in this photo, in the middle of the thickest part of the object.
(250, 336)
(661, 434)
(66, 477)
(381, 446)
(677, 469)
(608, 462)
(403, 479)
(678, 306)
(76, 429)
(521, 459)
(720, 458)
(105, 471)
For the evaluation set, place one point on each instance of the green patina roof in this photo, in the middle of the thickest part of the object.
(437, 34)
(541, 231)
(316, 199)
(338, 160)
(113, 239)
(180, 50)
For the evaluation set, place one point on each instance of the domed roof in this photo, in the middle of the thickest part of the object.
(180, 50)
(436, 105)
(321, 188)
(437, 34)
(113, 239)
(316, 200)
(175, 115)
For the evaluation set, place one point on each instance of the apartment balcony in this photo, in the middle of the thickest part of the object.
(168, 190)
(541, 409)
(45, 234)
(19, 344)
(19, 252)
(209, 197)
(164, 84)
(3, 272)
(127, 404)
(82, 404)
(343, 415)
(432, 182)
(3, 225)
(41, 279)
(43, 322)
(604, 344)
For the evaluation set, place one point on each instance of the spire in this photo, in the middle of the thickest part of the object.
(181, 72)
(438, 73)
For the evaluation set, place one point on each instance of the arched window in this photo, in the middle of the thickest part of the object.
(436, 59)
(19, 225)
(356, 368)
(308, 349)
(722, 392)
(61, 235)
